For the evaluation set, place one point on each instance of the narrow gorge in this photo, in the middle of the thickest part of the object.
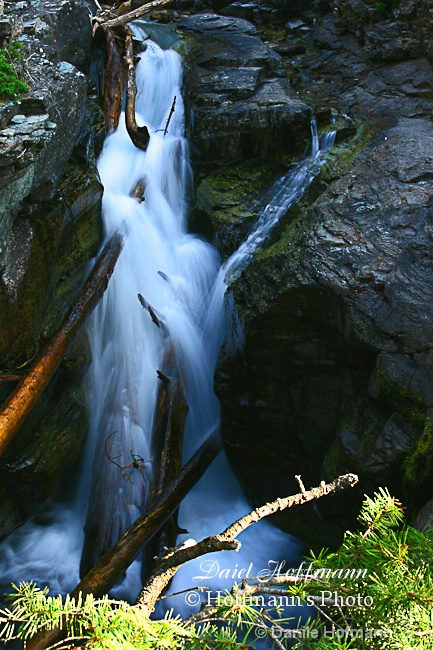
(277, 244)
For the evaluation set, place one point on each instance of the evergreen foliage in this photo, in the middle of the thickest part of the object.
(397, 561)
(375, 592)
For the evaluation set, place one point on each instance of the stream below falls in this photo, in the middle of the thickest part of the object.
(180, 275)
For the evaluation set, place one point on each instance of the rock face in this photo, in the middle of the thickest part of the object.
(337, 370)
(50, 228)
(242, 105)
(246, 121)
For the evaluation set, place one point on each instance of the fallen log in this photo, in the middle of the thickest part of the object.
(19, 404)
(112, 566)
(114, 83)
(138, 134)
(168, 433)
(156, 318)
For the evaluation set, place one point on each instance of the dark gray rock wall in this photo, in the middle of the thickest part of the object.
(337, 371)
(241, 104)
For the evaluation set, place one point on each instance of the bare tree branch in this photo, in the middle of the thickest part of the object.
(169, 564)
(132, 15)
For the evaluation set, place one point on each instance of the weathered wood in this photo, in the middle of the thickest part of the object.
(170, 115)
(133, 15)
(156, 318)
(138, 134)
(168, 433)
(227, 540)
(171, 411)
(114, 82)
(19, 404)
(138, 191)
(102, 577)
(112, 566)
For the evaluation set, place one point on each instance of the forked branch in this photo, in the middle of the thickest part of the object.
(170, 563)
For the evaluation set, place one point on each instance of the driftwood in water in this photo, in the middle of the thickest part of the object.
(121, 486)
(138, 134)
(17, 407)
(138, 191)
(113, 565)
(156, 319)
(169, 424)
(170, 115)
(168, 432)
(114, 82)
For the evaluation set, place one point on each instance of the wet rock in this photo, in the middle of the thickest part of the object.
(289, 48)
(45, 261)
(337, 365)
(388, 42)
(424, 519)
(32, 146)
(240, 108)
(228, 200)
(389, 447)
(232, 83)
(273, 118)
(214, 25)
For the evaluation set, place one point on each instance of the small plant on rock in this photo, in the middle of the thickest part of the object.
(11, 86)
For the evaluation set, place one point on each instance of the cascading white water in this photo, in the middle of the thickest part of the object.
(171, 269)
(181, 276)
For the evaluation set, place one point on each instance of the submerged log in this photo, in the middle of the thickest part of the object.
(114, 83)
(168, 433)
(113, 565)
(138, 134)
(19, 404)
(138, 191)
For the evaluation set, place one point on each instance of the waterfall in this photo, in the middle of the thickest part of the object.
(173, 271)
(182, 278)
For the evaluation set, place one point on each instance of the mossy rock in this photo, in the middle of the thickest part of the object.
(49, 258)
(59, 239)
(80, 241)
(44, 450)
(418, 463)
(228, 200)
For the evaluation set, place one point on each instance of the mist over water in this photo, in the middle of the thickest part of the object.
(182, 278)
